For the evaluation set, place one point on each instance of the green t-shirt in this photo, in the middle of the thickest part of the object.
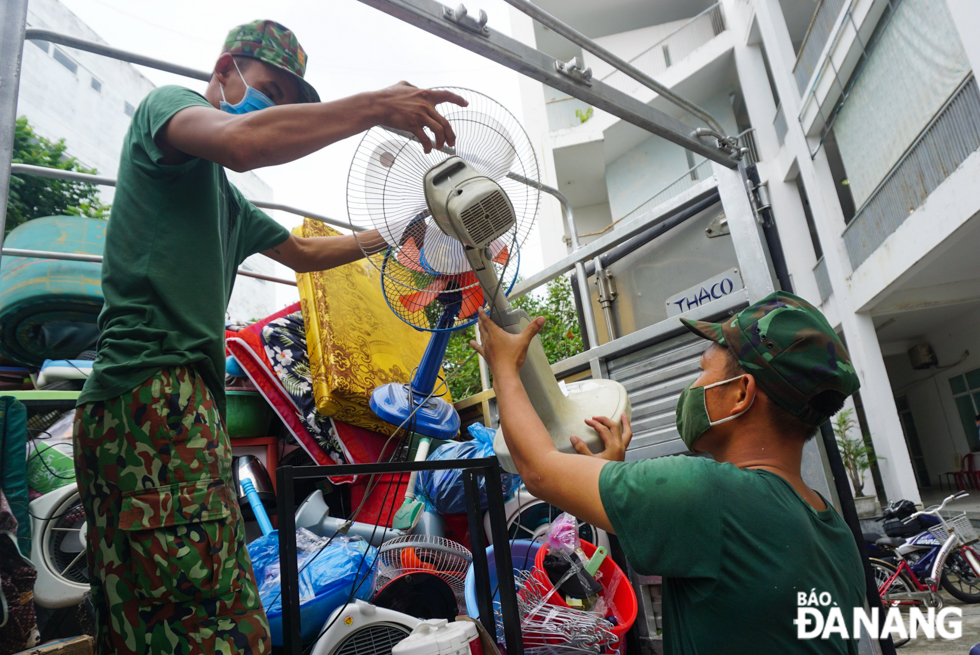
(735, 547)
(176, 235)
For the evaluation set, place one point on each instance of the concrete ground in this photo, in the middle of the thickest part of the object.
(961, 646)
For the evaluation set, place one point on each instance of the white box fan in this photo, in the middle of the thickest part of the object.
(363, 629)
(58, 548)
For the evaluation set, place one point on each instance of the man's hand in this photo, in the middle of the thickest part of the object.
(505, 352)
(616, 438)
(409, 108)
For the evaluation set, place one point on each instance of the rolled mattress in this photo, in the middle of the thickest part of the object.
(49, 307)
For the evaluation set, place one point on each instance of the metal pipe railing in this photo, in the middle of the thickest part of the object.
(613, 60)
(627, 230)
(94, 47)
(88, 178)
(97, 259)
(583, 281)
(667, 56)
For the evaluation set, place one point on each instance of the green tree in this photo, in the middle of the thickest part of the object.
(857, 455)
(560, 337)
(32, 196)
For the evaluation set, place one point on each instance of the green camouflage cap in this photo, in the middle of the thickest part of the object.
(272, 43)
(790, 349)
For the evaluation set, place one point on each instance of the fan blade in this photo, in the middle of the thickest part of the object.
(501, 257)
(410, 256)
(482, 141)
(473, 297)
(421, 299)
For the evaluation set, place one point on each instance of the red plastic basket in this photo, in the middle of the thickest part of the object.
(616, 590)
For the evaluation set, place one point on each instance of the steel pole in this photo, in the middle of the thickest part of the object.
(579, 39)
(115, 53)
(13, 24)
(435, 18)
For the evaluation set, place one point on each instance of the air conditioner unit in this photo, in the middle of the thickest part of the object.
(923, 356)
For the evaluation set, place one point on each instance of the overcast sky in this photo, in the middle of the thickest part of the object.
(351, 47)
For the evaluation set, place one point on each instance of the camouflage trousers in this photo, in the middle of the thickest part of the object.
(166, 543)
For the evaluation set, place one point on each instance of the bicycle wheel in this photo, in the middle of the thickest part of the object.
(891, 595)
(961, 575)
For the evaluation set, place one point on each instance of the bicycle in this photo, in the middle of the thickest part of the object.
(900, 586)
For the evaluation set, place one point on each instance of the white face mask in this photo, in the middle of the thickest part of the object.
(692, 412)
(729, 418)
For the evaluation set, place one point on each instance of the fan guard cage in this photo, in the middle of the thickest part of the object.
(63, 542)
(419, 553)
(426, 277)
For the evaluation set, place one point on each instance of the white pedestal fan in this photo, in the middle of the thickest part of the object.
(452, 223)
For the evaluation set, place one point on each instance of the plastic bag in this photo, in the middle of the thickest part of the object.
(443, 490)
(333, 571)
(563, 534)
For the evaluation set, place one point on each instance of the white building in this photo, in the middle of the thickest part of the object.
(88, 100)
(864, 118)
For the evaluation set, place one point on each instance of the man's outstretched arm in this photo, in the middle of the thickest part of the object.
(281, 134)
(570, 482)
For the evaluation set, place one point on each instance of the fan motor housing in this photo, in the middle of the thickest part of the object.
(466, 204)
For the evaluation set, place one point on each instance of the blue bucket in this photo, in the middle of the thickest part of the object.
(522, 553)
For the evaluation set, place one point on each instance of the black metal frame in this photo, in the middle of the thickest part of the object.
(488, 467)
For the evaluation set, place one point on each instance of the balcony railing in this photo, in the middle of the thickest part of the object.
(691, 177)
(669, 51)
(746, 140)
(816, 37)
(951, 137)
(823, 279)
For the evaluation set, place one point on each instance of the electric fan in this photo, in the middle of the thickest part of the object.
(58, 548)
(364, 630)
(451, 224)
(442, 558)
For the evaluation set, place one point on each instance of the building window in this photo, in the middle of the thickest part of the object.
(97, 85)
(966, 394)
(43, 45)
(666, 49)
(129, 109)
(808, 213)
(65, 61)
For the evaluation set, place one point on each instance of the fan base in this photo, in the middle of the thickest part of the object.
(585, 399)
(435, 418)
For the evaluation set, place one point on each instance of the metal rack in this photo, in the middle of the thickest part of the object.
(728, 182)
(488, 468)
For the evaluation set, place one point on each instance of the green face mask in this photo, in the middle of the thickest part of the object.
(692, 412)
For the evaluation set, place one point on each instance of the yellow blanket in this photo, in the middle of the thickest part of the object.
(355, 342)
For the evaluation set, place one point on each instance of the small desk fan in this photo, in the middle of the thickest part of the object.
(451, 223)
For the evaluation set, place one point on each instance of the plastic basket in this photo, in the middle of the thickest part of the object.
(959, 524)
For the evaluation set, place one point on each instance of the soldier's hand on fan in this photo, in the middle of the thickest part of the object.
(406, 107)
(505, 352)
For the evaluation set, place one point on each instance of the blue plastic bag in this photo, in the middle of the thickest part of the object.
(443, 490)
(324, 584)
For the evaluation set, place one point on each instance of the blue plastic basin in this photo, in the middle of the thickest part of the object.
(522, 553)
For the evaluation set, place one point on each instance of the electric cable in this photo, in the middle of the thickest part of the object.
(355, 587)
(372, 484)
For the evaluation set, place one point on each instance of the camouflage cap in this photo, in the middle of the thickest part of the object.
(790, 349)
(272, 43)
